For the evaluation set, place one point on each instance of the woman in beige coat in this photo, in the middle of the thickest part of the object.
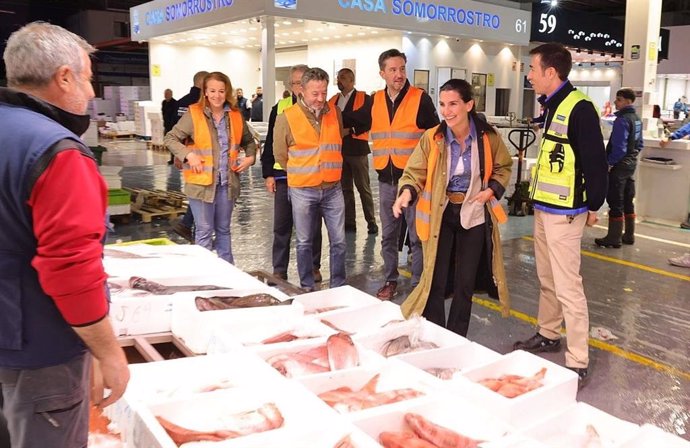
(459, 170)
(208, 138)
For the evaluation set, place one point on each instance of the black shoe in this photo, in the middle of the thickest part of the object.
(373, 229)
(582, 376)
(538, 344)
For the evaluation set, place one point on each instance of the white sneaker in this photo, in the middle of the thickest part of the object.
(683, 261)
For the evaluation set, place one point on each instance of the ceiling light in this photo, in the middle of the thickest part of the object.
(287, 22)
(307, 31)
(374, 32)
(296, 33)
(300, 20)
(361, 34)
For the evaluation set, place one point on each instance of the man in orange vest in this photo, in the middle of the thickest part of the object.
(355, 150)
(307, 141)
(276, 184)
(399, 116)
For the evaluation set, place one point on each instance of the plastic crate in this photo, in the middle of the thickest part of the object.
(118, 197)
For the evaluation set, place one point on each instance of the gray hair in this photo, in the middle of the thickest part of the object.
(36, 51)
(297, 68)
(314, 74)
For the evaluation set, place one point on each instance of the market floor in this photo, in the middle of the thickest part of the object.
(641, 373)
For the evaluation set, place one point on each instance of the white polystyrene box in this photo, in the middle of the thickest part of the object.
(185, 378)
(393, 374)
(557, 392)
(365, 319)
(450, 411)
(170, 265)
(195, 327)
(515, 441)
(416, 328)
(367, 358)
(300, 410)
(651, 436)
(343, 296)
(327, 435)
(252, 333)
(459, 357)
(569, 428)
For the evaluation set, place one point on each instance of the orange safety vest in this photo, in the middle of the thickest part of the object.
(398, 139)
(313, 159)
(202, 145)
(358, 103)
(423, 211)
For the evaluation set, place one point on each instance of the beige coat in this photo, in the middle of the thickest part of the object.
(174, 141)
(415, 176)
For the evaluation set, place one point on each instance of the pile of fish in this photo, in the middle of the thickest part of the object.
(425, 434)
(338, 353)
(217, 303)
(442, 373)
(512, 386)
(161, 290)
(265, 418)
(345, 399)
(286, 336)
(405, 344)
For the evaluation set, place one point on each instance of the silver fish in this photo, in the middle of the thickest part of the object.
(229, 302)
(158, 289)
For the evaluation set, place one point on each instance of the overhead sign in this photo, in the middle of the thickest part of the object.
(456, 18)
(583, 30)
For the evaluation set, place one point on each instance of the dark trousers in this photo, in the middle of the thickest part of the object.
(622, 188)
(48, 407)
(282, 231)
(356, 170)
(461, 249)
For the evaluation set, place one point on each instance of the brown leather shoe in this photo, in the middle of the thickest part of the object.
(317, 276)
(387, 291)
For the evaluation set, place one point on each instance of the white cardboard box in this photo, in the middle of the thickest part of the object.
(558, 391)
(366, 319)
(450, 411)
(343, 296)
(459, 357)
(417, 329)
(569, 428)
(651, 436)
(196, 327)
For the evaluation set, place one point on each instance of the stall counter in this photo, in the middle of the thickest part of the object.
(663, 191)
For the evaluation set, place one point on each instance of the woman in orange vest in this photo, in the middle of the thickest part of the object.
(459, 170)
(208, 138)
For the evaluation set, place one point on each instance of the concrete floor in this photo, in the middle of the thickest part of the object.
(642, 376)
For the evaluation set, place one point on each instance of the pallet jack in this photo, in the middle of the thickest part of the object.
(518, 203)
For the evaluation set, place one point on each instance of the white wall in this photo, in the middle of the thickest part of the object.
(429, 53)
(598, 77)
(366, 53)
(179, 63)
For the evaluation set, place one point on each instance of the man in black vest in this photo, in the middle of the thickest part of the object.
(621, 153)
(355, 150)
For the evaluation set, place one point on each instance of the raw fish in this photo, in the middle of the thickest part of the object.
(344, 399)
(512, 386)
(438, 436)
(229, 302)
(441, 373)
(403, 440)
(342, 353)
(404, 344)
(158, 289)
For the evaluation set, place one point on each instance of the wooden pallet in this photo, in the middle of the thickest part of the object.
(156, 147)
(156, 199)
(148, 213)
(117, 136)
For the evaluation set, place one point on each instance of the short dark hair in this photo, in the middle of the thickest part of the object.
(314, 74)
(555, 55)
(345, 70)
(392, 53)
(627, 93)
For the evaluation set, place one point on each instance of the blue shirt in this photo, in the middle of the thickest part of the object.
(620, 135)
(223, 139)
(680, 133)
(460, 182)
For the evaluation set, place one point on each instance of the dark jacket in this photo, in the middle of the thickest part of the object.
(267, 157)
(426, 118)
(351, 120)
(585, 137)
(626, 137)
(242, 104)
(33, 332)
(186, 101)
(257, 112)
(169, 112)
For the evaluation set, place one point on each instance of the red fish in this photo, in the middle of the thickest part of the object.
(403, 440)
(438, 436)
(342, 353)
(511, 386)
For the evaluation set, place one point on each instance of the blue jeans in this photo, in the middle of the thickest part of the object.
(390, 233)
(214, 216)
(307, 203)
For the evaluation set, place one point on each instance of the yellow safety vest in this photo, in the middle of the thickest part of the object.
(555, 175)
(283, 104)
(357, 104)
(314, 158)
(203, 146)
(396, 140)
(423, 211)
